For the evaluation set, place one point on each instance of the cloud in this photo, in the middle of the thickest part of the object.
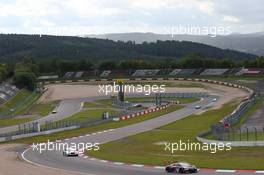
(107, 16)
(207, 7)
(231, 19)
(29, 8)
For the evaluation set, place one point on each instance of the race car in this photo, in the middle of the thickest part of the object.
(54, 112)
(214, 100)
(198, 107)
(70, 152)
(137, 105)
(181, 167)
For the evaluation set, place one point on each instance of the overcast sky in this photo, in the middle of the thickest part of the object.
(78, 17)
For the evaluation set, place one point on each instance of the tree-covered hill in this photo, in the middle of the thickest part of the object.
(14, 48)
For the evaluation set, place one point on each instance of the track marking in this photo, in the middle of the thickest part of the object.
(225, 171)
(137, 165)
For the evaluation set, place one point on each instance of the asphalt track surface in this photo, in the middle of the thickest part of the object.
(65, 109)
(55, 159)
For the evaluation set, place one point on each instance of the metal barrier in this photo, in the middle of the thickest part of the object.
(220, 129)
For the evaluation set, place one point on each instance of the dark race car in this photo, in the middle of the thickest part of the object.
(181, 167)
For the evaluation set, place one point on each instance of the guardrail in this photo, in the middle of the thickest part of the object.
(229, 121)
(126, 117)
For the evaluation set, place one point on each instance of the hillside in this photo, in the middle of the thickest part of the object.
(251, 43)
(14, 48)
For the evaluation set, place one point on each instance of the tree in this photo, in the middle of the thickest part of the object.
(107, 65)
(3, 72)
(25, 80)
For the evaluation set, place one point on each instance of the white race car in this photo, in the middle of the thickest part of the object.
(214, 100)
(198, 107)
(70, 152)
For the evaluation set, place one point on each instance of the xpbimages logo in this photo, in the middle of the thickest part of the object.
(61, 146)
(196, 146)
(146, 89)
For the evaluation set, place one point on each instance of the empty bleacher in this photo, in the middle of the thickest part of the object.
(78, 74)
(214, 71)
(175, 72)
(48, 77)
(250, 72)
(105, 73)
(68, 74)
(186, 72)
(7, 91)
(145, 72)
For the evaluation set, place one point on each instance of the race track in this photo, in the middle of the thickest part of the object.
(90, 166)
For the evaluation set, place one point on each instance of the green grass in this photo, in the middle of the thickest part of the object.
(143, 148)
(108, 102)
(190, 85)
(89, 114)
(43, 109)
(244, 137)
(92, 105)
(22, 94)
(13, 121)
(108, 125)
(19, 103)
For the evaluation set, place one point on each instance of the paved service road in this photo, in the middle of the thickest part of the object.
(66, 108)
(91, 166)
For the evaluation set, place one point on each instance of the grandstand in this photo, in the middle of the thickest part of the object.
(48, 77)
(78, 74)
(6, 92)
(68, 74)
(186, 72)
(90, 73)
(249, 72)
(145, 72)
(214, 71)
(105, 73)
(175, 72)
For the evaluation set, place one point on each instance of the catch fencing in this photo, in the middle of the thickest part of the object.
(222, 129)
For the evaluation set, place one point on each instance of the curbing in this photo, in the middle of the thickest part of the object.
(154, 167)
(137, 114)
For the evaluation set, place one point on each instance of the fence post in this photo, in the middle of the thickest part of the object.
(240, 134)
(247, 133)
(233, 130)
(256, 134)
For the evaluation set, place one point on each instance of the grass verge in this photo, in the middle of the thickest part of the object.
(17, 105)
(91, 114)
(148, 147)
(109, 125)
(43, 109)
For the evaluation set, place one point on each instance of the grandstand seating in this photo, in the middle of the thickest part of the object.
(68, 74)
(78, 74)
(105, 73)
(90, 73)
(48, 77)
(250, 72)
(7, 91)
(145, 72)
(214, 71)
(186, 72)
(175, 72)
